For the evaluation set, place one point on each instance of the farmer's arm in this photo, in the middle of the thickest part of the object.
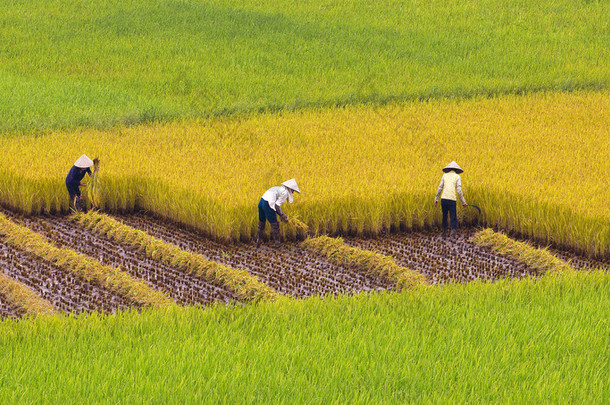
(458, 186)
(278, 209)
(86, 171)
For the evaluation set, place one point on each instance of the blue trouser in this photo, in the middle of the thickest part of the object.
(73, 189)
(266, 213)
(449, 208)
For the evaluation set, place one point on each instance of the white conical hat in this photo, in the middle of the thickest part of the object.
(292, 184)
(83, 162)
(453, 166)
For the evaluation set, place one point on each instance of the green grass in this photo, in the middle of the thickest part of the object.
(72, 63)
(512, 342)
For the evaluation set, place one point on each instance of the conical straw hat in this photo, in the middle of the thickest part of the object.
(291, 184)
(83, 162)
(453, 166)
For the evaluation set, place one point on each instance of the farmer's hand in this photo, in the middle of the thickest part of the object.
(465, 204)
(435, 202)
(83, 184)
(285, 218)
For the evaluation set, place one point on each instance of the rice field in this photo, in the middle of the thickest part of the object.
(534, 163)
(159, 294)
(71, 64)
(322, 266)
(533, 340)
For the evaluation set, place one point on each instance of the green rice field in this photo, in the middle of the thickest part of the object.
(67, 64)
(520, 342)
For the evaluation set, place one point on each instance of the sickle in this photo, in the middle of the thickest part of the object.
(475, 207)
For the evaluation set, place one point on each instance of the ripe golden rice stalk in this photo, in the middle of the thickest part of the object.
(22, 297)
(109, 277)
(537, 259)
(93, 191)
(380, 196)
(298, 224)
(365, 260)
(245, 286)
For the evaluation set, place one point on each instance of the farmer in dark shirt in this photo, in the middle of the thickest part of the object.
(73, 181)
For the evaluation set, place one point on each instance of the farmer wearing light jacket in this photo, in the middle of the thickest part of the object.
(269, 207)
(74, 179)
(448, 191)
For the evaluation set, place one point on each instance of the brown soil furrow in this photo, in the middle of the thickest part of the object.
(290, 269)
(443, 260)
(8, 310)
(65, 291)
(581, 262)
(182, 287)
(576, 260)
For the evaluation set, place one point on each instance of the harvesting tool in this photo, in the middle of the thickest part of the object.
(475, 207)
(475, 221)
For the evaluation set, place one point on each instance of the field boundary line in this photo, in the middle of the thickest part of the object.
(23, 297)
(366, 261)
(89, 269)
(244, 285)
(537, 259)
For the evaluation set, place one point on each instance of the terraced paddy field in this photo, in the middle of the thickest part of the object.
(291, 270)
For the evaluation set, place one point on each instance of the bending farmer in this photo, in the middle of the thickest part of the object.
(269, 207)
(73, 181)
(448, 190)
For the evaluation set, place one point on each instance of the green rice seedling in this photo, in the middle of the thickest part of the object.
(535, 340)
(221, 57)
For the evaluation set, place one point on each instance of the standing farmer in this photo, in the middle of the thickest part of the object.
(73, 181)
(448, 191)
(269, 207)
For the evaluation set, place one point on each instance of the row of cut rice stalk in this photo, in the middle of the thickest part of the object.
(109, 277)
(245, 286)
(23, 298)
(537, 259)
(366, 261)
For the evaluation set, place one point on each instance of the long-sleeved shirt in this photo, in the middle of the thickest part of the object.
(276, 196)
(450, 187)
(75, 176)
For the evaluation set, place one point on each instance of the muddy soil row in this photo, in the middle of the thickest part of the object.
(289, 269)
(7, 310)
(63, 290)
(581, 262)
(184, 288)
(442, 259)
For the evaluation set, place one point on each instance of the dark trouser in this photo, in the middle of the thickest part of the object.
(265, 213)
(74, 192)
(449, 208)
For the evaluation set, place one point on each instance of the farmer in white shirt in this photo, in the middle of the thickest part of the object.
(269, 207)
(448, 191)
